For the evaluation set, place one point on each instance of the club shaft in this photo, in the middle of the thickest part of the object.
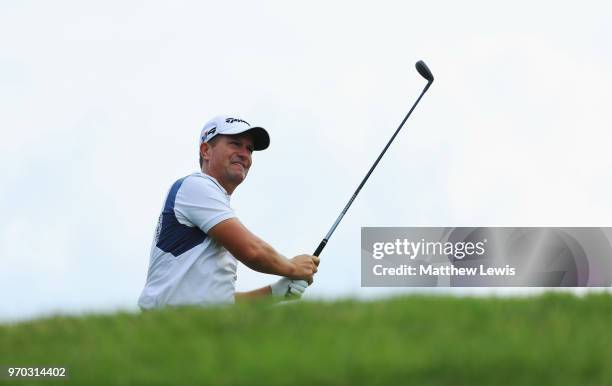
(348, 205)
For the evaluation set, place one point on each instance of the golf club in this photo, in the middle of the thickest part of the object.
(422, 68)
(425, 73)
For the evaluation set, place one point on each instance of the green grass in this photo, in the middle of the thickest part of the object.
(554, 339)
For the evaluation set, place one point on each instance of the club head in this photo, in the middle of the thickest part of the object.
(424, 71)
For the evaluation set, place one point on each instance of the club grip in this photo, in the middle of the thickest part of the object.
(320, 248)
(317, 253)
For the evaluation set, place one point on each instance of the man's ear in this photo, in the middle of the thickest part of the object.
(205, 151)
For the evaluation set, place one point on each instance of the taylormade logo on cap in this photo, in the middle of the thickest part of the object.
(227, 125)
(232, 120)
(223, 125)
(207, 133)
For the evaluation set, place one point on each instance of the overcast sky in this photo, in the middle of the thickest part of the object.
(101, 105)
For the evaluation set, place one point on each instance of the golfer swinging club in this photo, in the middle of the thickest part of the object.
(198, 239)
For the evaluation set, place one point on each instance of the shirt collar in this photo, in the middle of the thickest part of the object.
(213, 179)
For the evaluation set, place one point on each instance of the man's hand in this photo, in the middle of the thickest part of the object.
(288, 289)
(305, 266)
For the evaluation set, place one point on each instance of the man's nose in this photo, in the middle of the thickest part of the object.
(244, 152)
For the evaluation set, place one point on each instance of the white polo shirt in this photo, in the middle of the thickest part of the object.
(187, 266)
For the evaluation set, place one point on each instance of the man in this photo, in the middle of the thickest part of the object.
(199, 239)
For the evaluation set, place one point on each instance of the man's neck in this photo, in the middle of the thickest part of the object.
(229, 188)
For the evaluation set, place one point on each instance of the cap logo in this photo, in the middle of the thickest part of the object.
(232, 120)
(208, 132)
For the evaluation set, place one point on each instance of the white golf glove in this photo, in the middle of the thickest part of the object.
(288, 288)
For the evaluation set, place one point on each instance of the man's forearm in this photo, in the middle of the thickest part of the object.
(265, 259)
(260, 293)
(259, 255)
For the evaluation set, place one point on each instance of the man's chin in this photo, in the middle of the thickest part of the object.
(238, 178)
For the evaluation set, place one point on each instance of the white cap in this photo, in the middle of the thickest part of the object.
(227, 125)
